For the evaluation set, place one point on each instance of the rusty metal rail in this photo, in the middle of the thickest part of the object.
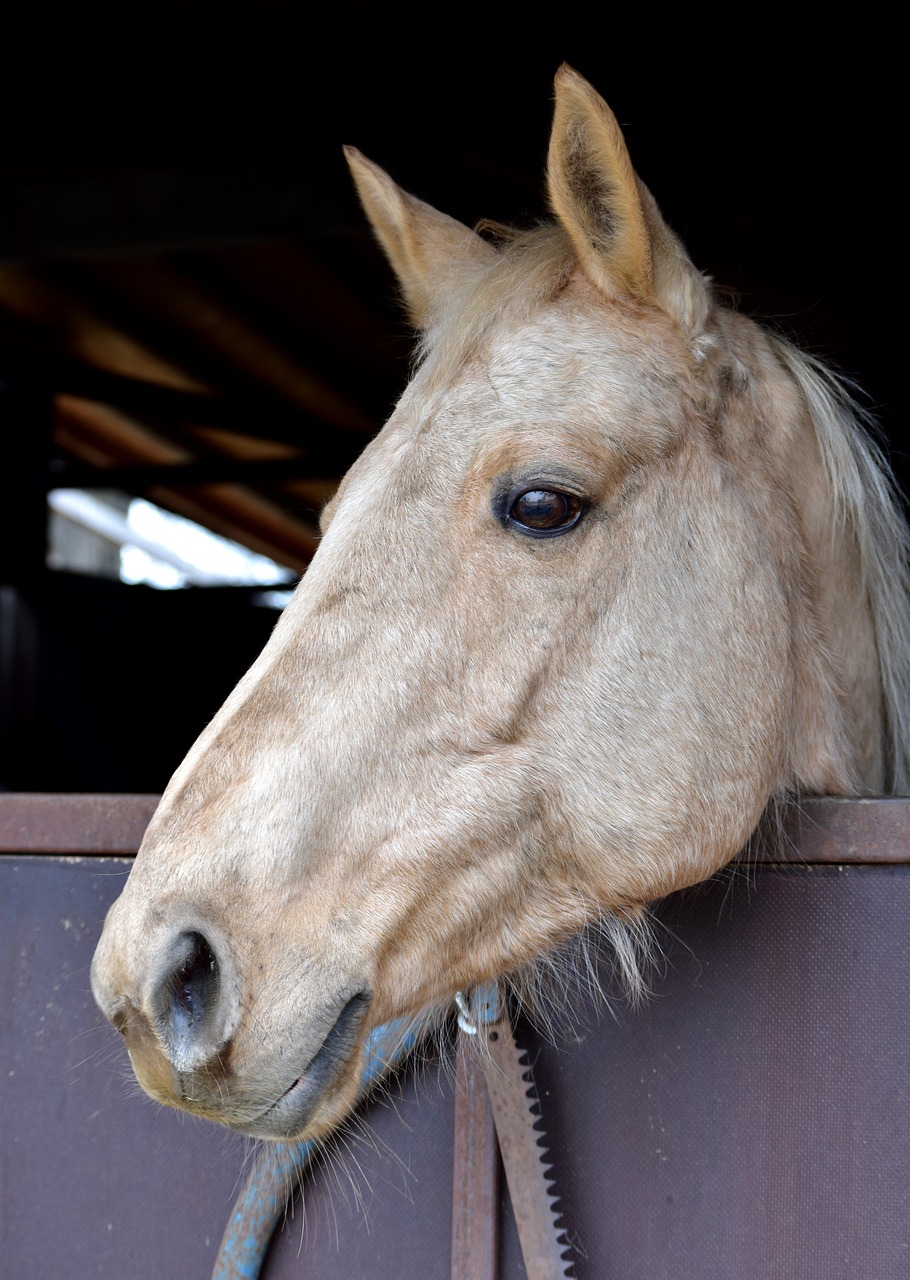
(820, 831)
(39, 822)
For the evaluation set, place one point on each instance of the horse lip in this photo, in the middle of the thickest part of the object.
(287, 1116)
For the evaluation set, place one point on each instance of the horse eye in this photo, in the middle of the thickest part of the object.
(543, 511)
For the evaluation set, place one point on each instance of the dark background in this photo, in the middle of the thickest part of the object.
(177, 132)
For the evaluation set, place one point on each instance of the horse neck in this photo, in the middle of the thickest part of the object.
(787, 421)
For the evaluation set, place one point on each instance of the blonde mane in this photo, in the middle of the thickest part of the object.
(530, 268)
(866, 505)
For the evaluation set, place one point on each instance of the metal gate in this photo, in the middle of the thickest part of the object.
(748, 1123)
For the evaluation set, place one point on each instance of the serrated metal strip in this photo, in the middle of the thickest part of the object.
(524, 1157)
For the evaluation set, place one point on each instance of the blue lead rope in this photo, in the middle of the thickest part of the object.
(278, 1171)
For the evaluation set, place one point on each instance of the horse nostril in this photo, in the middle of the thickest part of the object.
(191, 992)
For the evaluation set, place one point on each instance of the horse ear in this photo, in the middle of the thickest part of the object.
(622, 242)
(430, 252)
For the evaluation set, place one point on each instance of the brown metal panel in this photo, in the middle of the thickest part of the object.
(98, 1181)
(845, 830)
(820, 830)
(88, 823)
(748, 1122)
(94, 1181)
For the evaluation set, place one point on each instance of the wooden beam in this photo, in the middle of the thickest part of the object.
(104, 438)
(213, 334)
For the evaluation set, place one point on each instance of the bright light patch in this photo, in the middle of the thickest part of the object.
(155, 547)
(205, 555)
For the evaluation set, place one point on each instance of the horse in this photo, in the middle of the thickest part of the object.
(624, 574)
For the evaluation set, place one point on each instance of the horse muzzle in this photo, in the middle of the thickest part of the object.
(191, 1048)
(294, 1110)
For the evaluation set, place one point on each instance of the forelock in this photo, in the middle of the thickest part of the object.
(531, 269)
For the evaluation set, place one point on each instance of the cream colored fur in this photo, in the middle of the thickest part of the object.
(463, 745)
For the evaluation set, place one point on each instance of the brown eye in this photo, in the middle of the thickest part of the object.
(545, 510)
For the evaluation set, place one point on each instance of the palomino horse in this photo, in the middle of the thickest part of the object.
(621, 573)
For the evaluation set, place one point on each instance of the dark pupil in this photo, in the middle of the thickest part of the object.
(543, 509)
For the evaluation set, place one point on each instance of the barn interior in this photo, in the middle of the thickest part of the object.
(193, 311)
(194, 315)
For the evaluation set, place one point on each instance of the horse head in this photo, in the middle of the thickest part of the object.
(581, 611)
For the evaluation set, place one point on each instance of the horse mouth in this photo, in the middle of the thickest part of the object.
(288, 1116)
